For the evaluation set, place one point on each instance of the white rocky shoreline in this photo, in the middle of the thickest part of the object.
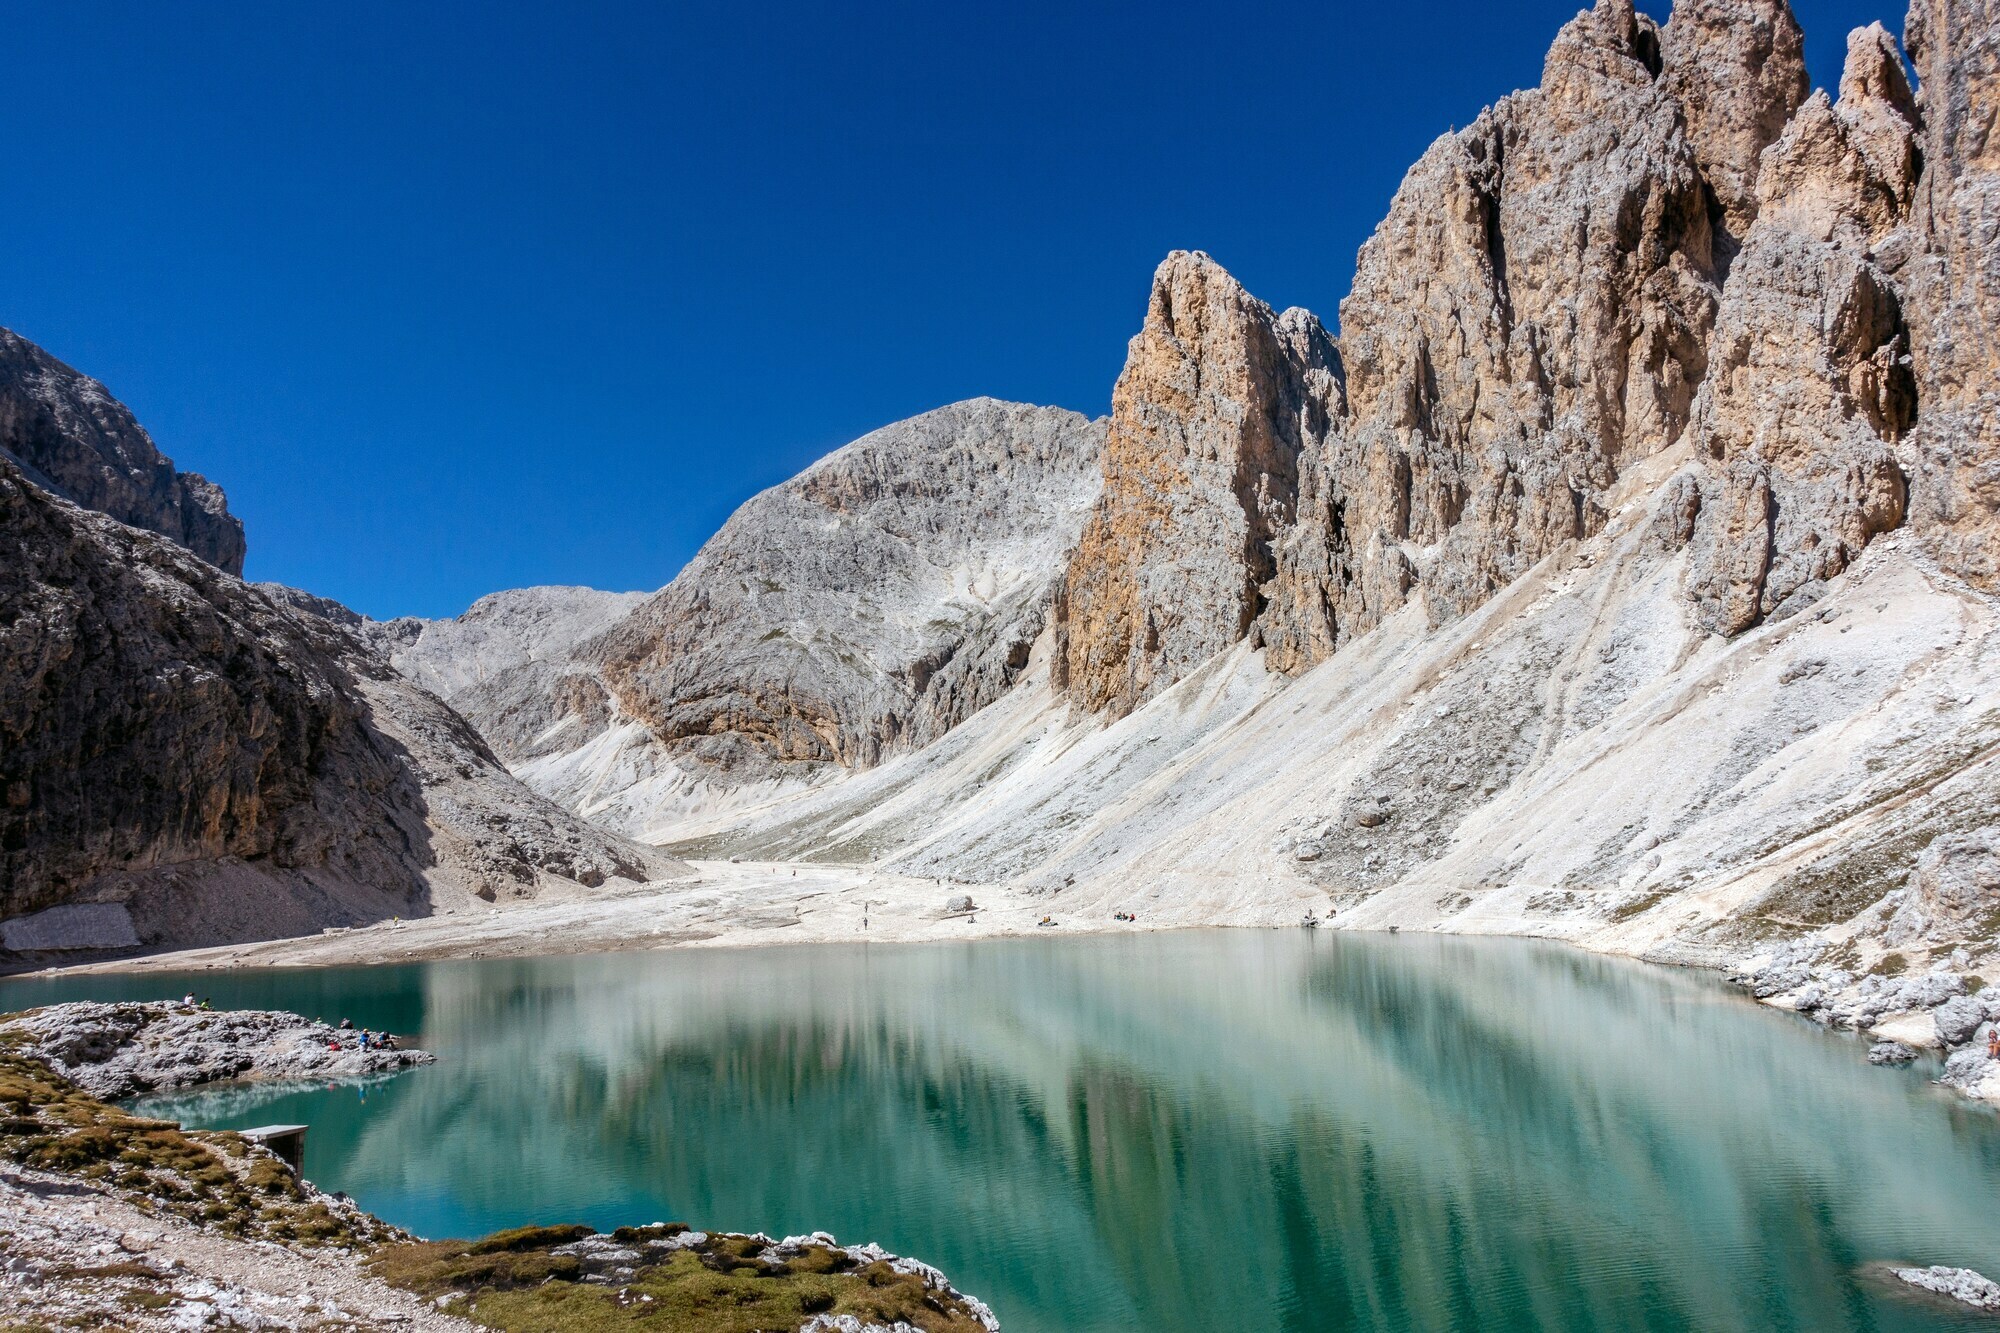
(115, 1051)
(1942, 1009)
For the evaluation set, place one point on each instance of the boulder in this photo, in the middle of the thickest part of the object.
(1959, 1018)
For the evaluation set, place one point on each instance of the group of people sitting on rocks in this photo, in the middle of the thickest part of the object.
(1046, 921)
(187, 1002)
(1123, 916)
(371, 1040)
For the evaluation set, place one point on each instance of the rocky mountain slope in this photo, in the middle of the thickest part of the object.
(1623, 571)
(861, 609)
(72, 438)
(513, 663)
(198, 760)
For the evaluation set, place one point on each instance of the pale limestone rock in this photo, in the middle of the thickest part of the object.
(1738, 68)
(515, 664)
(72, 926)
(1960, 1284)
(1809, 386)
(1218, 397)
(869, 604)
(1953, 891)
(116, 1051)
(1530, 319)
(1954, 284)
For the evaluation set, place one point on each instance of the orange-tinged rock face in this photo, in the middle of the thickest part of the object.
(1218, 397)
(1953, 285)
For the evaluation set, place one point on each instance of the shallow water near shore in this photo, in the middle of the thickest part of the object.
(1180, 1131)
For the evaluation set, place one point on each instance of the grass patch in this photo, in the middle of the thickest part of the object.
(724, 1284)
(213, 1180)
(1890, 965)
(1640, 906)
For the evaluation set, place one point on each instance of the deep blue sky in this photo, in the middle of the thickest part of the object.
(457, 297)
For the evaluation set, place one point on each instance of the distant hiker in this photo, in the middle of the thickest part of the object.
(1993, 1042)
(205, 1004)
(188, 999)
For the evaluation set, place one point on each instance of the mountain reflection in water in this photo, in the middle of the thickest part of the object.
(1185, 1131)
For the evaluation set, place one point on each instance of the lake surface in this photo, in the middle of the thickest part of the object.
(1186, 1131)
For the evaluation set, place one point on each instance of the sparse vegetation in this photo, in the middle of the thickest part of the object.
(1640, 906)
(723, 1284)
(213, 1180)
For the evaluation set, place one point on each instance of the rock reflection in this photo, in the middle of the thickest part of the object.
(1197, 1131)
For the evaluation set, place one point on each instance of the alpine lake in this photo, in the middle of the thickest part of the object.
(1197, 1130)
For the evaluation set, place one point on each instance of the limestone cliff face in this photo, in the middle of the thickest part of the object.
(1218, 398)
(1666, 234)
(1953, 284)
(71, 437)
(865, 606)
(1530, 319)
(1810, 386)
(1738, 70)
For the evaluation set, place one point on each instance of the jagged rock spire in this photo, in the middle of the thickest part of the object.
(1953, 287)
(1738, 69)
(1809, 388)
(1218, 397)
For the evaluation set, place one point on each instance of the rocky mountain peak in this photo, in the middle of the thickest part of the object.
(868, 604)
(1952, 283)
(72, 438)
(1738, 69)
(1218, 397)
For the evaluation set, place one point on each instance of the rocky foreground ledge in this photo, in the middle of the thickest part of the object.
(113, 1220)
(116, 1051)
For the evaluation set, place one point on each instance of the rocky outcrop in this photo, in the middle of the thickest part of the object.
(175, 742)
(1809, 388)
(869, 604)
(1953, 284)
(1218, 398)
(1959, 1284)
(115, 1051)
(1530, 320)
(71, 437)
(1738, 69)
(1952, 894)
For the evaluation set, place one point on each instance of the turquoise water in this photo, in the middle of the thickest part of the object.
(1187, 1131)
